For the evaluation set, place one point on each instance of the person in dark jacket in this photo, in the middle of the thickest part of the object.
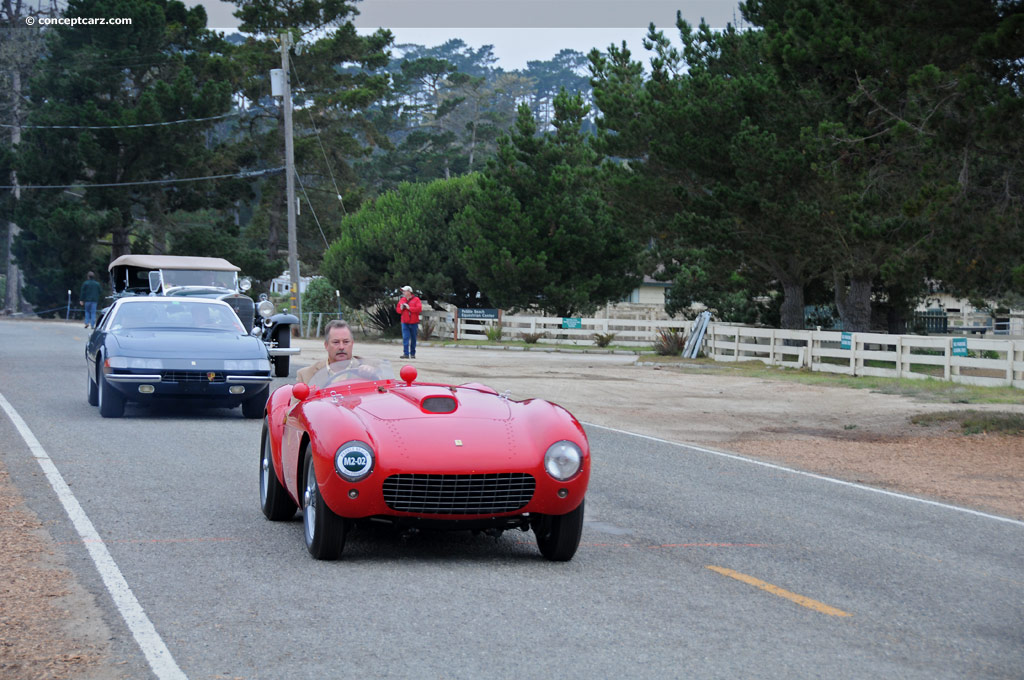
(409, 306)
(88, 297)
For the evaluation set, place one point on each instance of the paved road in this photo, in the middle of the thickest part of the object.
(692, 564)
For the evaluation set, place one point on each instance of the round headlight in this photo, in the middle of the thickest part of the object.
(563, 460)
(265, 309)
(244, 284)
(353, 461)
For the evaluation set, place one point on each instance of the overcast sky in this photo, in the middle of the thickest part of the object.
(520, 30)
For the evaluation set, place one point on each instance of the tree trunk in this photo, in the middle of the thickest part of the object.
(854, 301)
(792, 310)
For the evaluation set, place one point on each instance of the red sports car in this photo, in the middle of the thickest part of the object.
(356, 444)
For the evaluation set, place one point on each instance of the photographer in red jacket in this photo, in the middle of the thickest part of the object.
(409, 306)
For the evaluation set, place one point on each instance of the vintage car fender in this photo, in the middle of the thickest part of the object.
(276, 321)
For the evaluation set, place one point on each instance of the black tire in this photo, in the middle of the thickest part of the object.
(283, 363)
(92, 391)
(558, 536)
(275, 502)
(324, 531)
(255, 407)
(111, 402)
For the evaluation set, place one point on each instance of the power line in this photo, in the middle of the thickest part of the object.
(253, 173)
(119, 127)
(327, 162)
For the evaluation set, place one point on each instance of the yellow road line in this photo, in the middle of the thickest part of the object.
(775, 590)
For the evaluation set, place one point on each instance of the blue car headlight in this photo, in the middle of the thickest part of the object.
(134, 362)
(246, 365)
(353, 460)
(563, 460)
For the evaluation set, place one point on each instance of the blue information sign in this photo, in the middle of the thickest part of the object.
(846, 341)
(572, 322)
(474, 313)
(959, 347)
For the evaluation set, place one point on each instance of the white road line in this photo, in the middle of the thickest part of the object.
(157, 654)
(832, 480)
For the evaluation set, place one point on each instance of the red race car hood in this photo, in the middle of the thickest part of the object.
(426, 401)
(479, 435)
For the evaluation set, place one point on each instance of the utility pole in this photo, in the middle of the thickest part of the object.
(12, 301)
(289, 164)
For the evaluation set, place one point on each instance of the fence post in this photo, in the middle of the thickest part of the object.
(947, 372)
(1009, 362)
(853, 354)
(899, 356)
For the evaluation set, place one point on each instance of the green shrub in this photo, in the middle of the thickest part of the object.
(494, 332)
(427, 328)
(384, 319)
(603, 339)
(669, 342)
(532, 338)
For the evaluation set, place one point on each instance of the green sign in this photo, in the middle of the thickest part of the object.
(959, 347)
(572, 322)
(846, 341)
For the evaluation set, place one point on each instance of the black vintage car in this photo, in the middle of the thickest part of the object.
(210, 277)
(195, 349)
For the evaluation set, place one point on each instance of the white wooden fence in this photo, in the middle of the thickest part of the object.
(629, 332)
(988, 362)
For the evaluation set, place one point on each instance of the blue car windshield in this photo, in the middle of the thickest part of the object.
(354, 370)
(181, 314)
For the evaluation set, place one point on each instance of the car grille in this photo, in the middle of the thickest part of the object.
(191, 377)
(244, 307)
(459, 494)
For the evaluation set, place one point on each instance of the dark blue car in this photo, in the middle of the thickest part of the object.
(148, 348)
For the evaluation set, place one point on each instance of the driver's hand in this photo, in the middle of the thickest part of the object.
(367, 371)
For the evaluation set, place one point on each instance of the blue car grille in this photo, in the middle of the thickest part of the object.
(459, 494)
(191, 376)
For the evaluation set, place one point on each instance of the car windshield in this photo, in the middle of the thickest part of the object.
(352, 371)
(175, 314)
(198, 277)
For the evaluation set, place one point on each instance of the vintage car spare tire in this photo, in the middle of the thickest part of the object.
(282, 363)
(324, 531)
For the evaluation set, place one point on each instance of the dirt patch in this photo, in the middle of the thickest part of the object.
(49, 626)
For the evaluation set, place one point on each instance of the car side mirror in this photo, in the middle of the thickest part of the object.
(256, 331)
(300, 391)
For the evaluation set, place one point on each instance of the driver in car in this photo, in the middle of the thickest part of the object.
(341, 363)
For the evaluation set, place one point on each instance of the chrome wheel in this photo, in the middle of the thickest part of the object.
(309, 502)
(275, 502)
